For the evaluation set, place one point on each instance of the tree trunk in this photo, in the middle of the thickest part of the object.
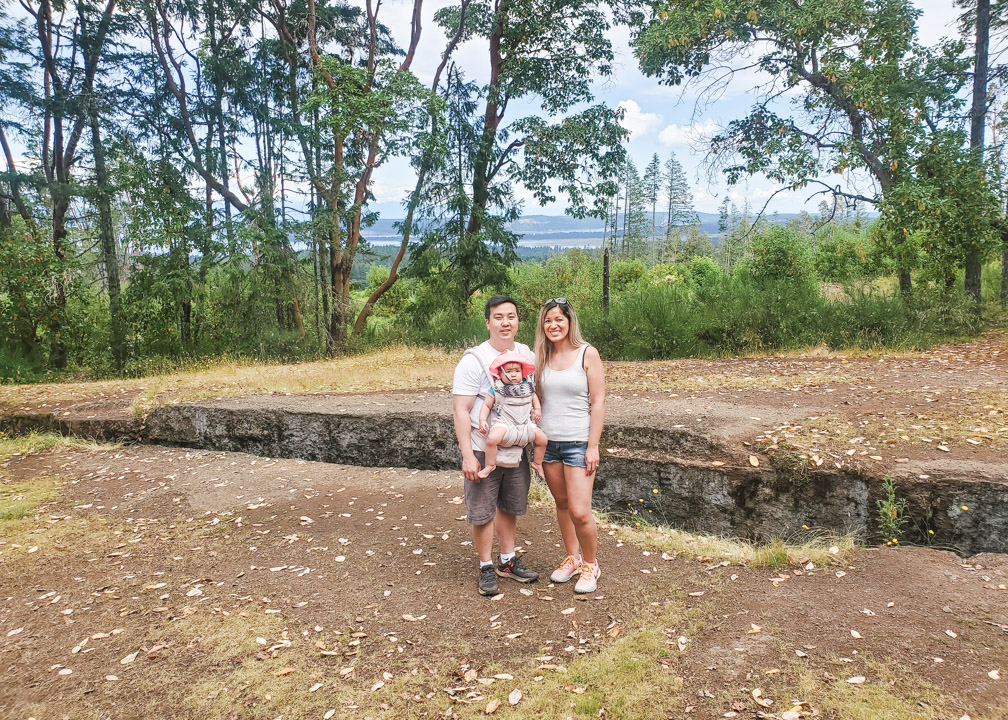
(977, 117)
(905, 284)
(108, 244)
(61, 204)
(1004, 271)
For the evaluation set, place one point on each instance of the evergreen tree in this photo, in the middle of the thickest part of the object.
(680, 205)
(651, 188)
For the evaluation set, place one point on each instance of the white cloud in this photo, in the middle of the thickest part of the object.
(636, 121)
(675, 135)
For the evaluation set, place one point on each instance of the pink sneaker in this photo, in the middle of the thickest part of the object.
(590, 573)
(568, 569)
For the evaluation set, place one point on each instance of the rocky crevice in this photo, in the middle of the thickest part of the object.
(680, 475)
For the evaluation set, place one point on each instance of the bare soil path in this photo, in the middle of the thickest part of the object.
(159, 582)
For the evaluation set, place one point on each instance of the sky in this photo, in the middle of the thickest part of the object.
(660, 119)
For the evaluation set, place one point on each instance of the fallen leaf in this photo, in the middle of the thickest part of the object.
(757, 695)
(329, 714)
(284, 671)
(856, 680)
(855, 634)
(315, 687)
(515, 696)
(994, 674)
(567, 611)
(754, 461)
(951, 634)
(754, 629)
(503, 676)
(801, 654)
(410, 618)
(492, 707)
(12, 633)
(129, 658)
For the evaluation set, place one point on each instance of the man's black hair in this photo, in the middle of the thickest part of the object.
(498, 300)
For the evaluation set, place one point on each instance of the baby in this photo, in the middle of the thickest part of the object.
(513, 397)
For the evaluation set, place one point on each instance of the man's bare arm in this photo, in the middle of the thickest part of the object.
(461, 407)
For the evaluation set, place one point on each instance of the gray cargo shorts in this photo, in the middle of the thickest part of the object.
(504, 489)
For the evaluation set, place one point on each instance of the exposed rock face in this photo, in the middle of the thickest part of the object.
(729, 498)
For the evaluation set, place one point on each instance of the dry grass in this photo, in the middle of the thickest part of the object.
(822, 550)
(34, 442)
(397, 367)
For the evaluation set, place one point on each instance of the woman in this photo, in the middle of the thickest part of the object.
(571, 386)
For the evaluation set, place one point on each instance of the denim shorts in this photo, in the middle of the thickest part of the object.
(569, 452)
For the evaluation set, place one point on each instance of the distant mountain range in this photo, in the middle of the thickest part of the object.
(550, 230)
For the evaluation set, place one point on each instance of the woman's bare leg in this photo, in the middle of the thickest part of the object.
(554, 476)
(579, 485)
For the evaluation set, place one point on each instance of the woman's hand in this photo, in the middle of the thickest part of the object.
(591, 459)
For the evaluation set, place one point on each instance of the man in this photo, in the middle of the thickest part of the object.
(498, 499)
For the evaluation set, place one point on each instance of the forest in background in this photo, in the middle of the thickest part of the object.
(186, 180)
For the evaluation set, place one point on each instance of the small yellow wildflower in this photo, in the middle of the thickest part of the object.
(965, 508)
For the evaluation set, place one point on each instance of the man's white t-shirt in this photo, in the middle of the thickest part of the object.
(471, 379)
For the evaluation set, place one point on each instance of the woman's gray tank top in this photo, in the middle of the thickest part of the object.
(565, 402)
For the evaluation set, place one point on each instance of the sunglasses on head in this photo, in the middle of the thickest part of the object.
(557, 301)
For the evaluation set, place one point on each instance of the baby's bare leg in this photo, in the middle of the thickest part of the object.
(494, 437)
(539, 452)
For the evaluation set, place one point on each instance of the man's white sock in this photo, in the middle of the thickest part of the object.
(506, 556)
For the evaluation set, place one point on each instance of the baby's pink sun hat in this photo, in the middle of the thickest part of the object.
(511, 356)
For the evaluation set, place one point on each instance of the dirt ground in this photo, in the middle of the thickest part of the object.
(160, 582)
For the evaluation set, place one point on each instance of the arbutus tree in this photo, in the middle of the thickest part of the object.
(65, 104)
(366, 104)
(865, 94)
(544, 51)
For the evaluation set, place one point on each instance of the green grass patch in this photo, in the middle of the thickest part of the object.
(886, 695)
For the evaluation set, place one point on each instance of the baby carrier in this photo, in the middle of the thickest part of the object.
(506, 456)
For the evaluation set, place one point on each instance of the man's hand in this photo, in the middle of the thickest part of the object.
(471, 468)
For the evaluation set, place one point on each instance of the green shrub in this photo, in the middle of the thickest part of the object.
(841, 256)
(779, 255)
(705, 271)
(624, 273)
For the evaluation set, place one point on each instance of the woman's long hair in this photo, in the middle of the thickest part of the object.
(544, 346)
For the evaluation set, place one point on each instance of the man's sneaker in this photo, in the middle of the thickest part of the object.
(590, 573)
(488, 581)
(568, 569)
(514, 568)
